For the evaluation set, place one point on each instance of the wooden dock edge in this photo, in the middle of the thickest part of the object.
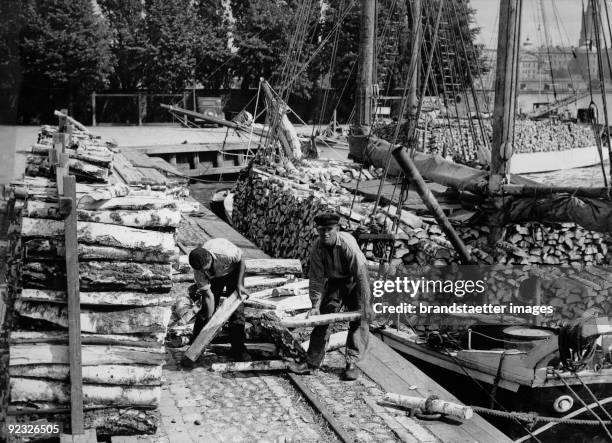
(394, 373)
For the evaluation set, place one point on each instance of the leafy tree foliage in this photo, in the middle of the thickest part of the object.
(212, 51)
(64, 45)
(10, 63)
(264, 34)
(171, 29)
(129, 42)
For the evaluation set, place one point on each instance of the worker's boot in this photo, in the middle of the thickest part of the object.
(351, 372)
(187, 363)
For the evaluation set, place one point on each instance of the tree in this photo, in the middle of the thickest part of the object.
(10, 63)
(129, 42)
(457, 57)
(390, 36)
(172, 34)
(64, 50)
(264, 34)
(212, 50)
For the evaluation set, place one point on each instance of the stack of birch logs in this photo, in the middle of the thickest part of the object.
(90, 158)
(126, 246)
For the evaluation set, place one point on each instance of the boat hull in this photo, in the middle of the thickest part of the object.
(475, 389)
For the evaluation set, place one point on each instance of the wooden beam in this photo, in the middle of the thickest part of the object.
(413, 174)
(74, 311)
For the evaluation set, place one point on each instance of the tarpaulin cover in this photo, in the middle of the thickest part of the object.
(589, 213)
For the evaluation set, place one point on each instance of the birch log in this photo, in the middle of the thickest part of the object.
(146, 218)
(101, 374)
(130, 321)
(102, 234)
(54, 249)
(275, 266)
(101, 276)
(438, 406)
(106, 421)
(100, 298)
(239, 366)
(155, 340)
(41, 354)
(317, 320)
(30, 390)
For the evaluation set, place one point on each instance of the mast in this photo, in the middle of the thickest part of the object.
(415, 53)
(505, 92)
(505, 103)
(360, 129)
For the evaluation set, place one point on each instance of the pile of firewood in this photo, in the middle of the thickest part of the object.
(126, 247)
(461, 140)
(530, 243)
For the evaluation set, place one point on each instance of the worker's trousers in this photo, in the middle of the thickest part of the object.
(223, 287)
(338, 293)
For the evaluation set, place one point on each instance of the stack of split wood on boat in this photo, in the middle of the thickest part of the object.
(278, 196)
(126, 247)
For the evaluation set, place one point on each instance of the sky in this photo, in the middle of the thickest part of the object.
(563, 32)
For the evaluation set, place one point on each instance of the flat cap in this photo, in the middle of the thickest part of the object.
(327, 219)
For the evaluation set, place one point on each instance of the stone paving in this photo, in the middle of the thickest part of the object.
(199, 405)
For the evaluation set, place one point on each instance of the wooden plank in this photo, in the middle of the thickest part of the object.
(87, 436)
(214, 227)
(327, 415)
(212, 171)
(74, 311)
(193, 147)
(221, 315)
(396, 374)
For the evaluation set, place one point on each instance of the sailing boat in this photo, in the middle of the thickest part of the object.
(543, 369)
(479, 350)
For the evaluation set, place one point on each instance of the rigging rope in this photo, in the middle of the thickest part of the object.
(583, 403)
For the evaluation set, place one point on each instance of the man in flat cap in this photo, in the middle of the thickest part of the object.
(218, 270)
(338, 277)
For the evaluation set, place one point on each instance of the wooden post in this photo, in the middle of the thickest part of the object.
(61, 127)
(61, 171)
(196, 160)
(74, 310)
(93, 108)
(139, 109)
(413, 174)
